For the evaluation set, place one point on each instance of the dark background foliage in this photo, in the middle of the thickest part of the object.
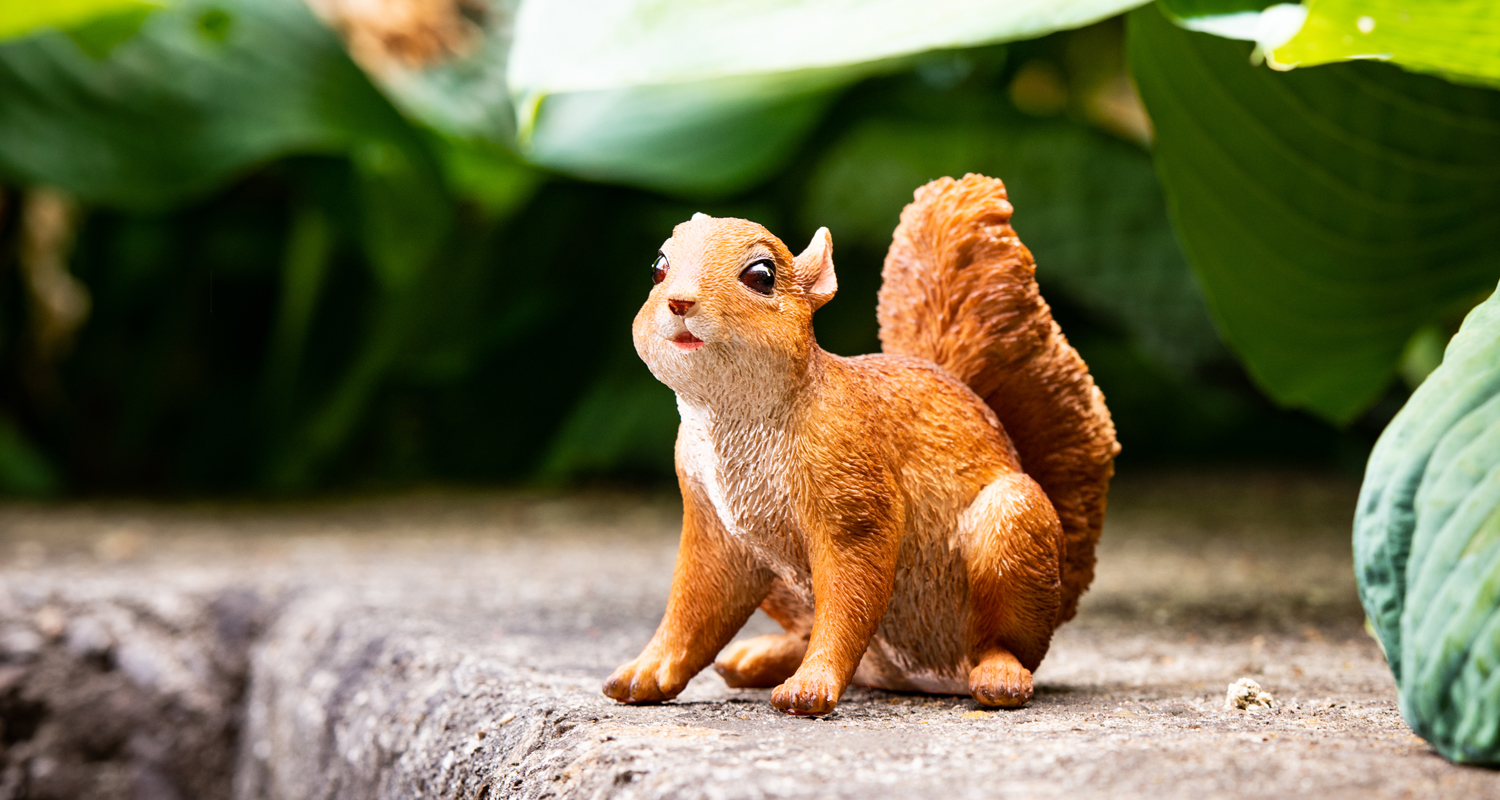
(268, 332)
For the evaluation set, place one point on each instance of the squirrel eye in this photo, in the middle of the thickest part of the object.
(659, 269)
(760, 277)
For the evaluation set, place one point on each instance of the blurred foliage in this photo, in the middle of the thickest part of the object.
(321, 253)
(440, 61)
(1062, 178)
(20, 18)
(709, 98)
(204, 91)
(1332, 213)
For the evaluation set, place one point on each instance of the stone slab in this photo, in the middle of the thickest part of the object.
(452, 645)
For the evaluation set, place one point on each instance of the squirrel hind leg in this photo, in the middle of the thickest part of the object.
(999, 681)
(1013, 546)
(763, 662)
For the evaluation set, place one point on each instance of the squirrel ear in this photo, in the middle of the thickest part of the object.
(815, 269)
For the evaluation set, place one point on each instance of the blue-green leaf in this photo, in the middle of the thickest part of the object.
(1427, 546)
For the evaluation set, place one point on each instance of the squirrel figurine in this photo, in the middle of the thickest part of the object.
(917, 520)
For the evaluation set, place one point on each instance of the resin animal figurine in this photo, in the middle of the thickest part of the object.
(918, 520)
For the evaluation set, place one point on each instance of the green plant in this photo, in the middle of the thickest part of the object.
(1427, 546)
(387, 167)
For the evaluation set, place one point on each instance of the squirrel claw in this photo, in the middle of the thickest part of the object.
(637, 683)
(806, 697)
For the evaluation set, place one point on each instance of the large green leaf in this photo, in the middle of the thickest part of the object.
(707, 98)
(707, 138)
(1427, 546)
(588, 45)
(1088, 206)
(1329, 213)
(19, 18)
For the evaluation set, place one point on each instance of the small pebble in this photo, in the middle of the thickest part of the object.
(1246, 694)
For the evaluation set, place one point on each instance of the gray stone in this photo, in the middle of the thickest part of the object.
(453, 646)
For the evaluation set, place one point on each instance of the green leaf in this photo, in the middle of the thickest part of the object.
(488, 175)
(206, 90)
(1427, 546)
(1458, 38)
(1087, 205)
(702, 139)
(23, 17)
(406, 212)
(1328, 213)
(590, 45)
(707, 98)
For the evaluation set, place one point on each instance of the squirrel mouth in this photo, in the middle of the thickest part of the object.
(687, 341)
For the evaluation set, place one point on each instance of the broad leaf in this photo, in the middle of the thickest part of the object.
(1427, 546)
(1329, 213)
(708, 98)
(588, 45)
(1087, 205)
(709, 138)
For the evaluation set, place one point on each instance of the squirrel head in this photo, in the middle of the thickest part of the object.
(730, 298)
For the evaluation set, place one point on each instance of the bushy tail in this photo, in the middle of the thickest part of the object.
(959, 289)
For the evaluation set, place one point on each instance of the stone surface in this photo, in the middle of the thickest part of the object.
(453, 646)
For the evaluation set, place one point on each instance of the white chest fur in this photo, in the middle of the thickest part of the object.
(741, 465)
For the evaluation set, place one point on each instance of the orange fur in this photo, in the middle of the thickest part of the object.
(874, 506)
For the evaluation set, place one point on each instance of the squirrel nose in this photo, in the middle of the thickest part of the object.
(679, 307)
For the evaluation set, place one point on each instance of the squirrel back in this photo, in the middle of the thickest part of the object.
(959, 289)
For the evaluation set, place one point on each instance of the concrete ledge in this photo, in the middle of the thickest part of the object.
(453, 646)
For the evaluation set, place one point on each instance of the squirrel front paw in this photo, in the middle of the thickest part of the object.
(647, 679)
(807, 695)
